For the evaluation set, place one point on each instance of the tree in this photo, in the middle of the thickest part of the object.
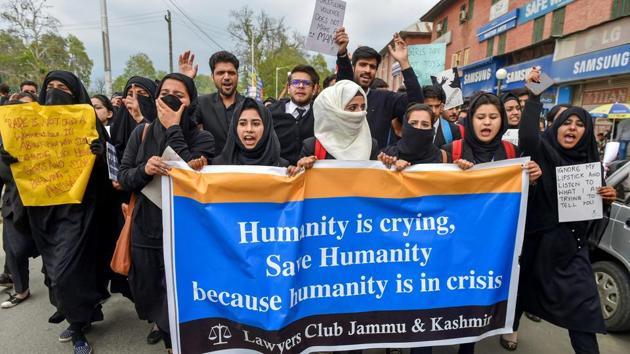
(31, 46)
(99, 86)
(137, 65)
(319, 63)
(204, 84)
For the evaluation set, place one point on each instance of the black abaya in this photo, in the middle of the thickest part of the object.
(557, 282)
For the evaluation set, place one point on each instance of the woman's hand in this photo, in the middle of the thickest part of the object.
(292, 171)
(156, 166)
(307, 162)
(534, 171)
(387, 160)
(167, 116)
(132, 105)
(197, 164)
(463, 164)
(401, 165)
(608, 194)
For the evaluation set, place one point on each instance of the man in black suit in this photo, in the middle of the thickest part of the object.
(214, 110)
(293, 117)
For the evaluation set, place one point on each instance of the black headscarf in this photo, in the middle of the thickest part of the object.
(155, 142)
(585, 151)
(509, 96)
(123, 123)
(55, 96)
(267, 150)
(416, 145)
(483, 152)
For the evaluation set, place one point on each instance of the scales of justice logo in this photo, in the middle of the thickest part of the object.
(219, 333)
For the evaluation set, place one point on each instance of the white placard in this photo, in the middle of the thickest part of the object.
(451, 84)
(327, 17)
(511, 135)
(577, 192)
(112, 162)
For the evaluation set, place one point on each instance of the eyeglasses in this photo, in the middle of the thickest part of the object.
(297, 83)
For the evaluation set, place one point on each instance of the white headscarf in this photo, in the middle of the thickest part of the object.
(345, 135)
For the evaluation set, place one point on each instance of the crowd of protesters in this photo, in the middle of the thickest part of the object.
(348, 116)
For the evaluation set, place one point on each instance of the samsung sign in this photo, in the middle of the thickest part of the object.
(537, 8)
(518, 73)
(479, 76)
(607, 62)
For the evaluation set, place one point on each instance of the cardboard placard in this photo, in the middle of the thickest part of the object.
(327, 17)
(577, 192)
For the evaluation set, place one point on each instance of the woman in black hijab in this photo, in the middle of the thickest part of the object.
(251, 138)
(557, 282)
(66, 235)
(138, 107)
(416, 144)
(141, 162)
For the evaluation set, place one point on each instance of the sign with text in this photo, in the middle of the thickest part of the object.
(604, 36)
(537, 8)
(426, 60)
(327, 17)
(112, 162)
(606, 96)
(497, 26)
(601, 63)
(577, 192)
(449, 81)
(52, 145)
(259, 261)
(499, 8)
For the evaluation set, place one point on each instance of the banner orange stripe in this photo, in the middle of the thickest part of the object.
(341, 182)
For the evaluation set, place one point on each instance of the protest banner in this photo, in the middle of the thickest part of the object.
(52, 145)
(337, 259)
(426, 60)
(577, 192)
(112, 162)
(327, 17)
(449, 81)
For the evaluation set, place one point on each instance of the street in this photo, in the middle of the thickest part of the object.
(25, 330)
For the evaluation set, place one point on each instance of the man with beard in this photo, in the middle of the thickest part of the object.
(451, 114)
(383, 105)
(215, 110)
(293, 118)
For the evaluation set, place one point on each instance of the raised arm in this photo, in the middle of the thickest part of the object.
(344, 66)
(529, 139)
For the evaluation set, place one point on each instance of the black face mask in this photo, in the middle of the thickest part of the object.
(172, 101)
(57, 97)
(147, 107)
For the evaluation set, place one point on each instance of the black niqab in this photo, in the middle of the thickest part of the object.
(483, 152)
(155, 142)
(75, 85)
(416, 145)
(265, 153)
(123, 123)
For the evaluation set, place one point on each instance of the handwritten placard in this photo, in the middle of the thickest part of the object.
(51, 144)
(327, 17)
(577, 192)
(112, 162)
(426, 60)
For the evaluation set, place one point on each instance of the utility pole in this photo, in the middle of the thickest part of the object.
(106, 54)
(170, 40)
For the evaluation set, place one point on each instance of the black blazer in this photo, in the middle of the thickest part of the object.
(212, 115)
(291, 132)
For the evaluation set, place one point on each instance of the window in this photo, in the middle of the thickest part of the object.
(442, 27)
(490, 47)
(557, 22)
(539, 27)
(455, 59)
(620, 8)
(502, 39)
(462, 11)
(471, 6)
(464, 61)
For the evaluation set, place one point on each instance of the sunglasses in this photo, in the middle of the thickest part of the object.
(297, 83)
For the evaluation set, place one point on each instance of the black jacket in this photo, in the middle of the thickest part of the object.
(384, 105)
(213, 115)
(440, 141)
(291, 132)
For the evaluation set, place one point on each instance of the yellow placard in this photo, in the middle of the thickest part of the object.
(51, 144)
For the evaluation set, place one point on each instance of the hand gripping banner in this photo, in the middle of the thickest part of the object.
(347, 255)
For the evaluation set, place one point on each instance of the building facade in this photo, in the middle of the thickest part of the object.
(584, 45)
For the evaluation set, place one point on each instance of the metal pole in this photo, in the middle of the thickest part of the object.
(499, 88)
(253, 66)
(276, 96)
(107, 59)
(170, 40)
